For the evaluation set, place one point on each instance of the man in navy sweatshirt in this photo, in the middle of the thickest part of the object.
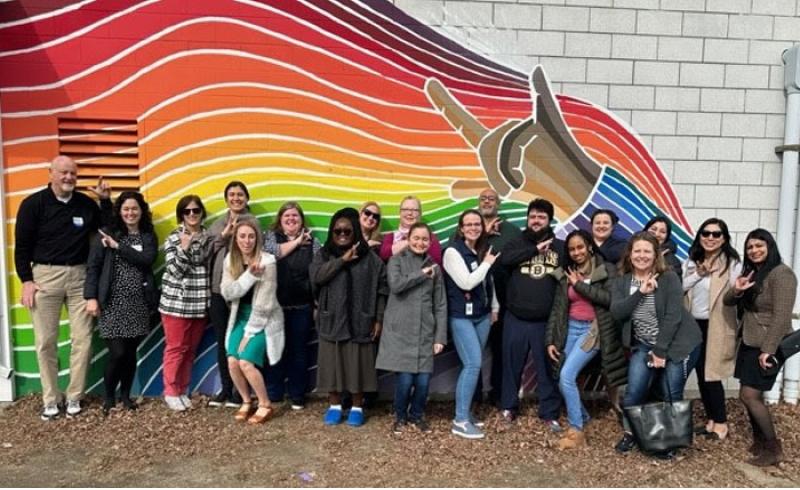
(531, 259)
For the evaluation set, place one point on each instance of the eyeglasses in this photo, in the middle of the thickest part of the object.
(372, 214)
(715, 234)
(409, 210)
(343, 231)
(188, 211)
(487, 199)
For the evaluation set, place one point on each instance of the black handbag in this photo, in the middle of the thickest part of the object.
(790, 345)
(661, 426)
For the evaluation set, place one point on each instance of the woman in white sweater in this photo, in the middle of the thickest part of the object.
(255, 326)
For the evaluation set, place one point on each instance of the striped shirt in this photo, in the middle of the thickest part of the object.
(645, 322)
(186, 283)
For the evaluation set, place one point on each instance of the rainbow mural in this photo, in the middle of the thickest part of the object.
(330, 103)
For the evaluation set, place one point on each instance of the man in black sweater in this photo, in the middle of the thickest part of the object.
(531, 258)
(53, 230)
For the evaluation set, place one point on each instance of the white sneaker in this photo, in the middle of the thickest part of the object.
(73, 408)
(174, 403)
(187, 402)
(50, 412)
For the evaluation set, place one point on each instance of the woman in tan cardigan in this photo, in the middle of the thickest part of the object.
(710, 271)
(764, 294)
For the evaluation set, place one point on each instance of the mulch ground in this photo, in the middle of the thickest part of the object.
(204, 447)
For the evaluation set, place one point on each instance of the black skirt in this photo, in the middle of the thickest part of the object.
(748, 371)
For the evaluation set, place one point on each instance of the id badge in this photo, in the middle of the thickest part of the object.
(77, 221)
(469, 309)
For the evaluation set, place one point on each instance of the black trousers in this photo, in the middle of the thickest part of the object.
(218, 317)
(712, 393)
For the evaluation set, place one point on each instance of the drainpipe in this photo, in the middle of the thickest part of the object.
(6, 352)
(791, 141)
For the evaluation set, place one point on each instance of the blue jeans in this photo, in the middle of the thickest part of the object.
(575, 360)
(469, 337)
(292, 370)
(640, 376)
(403, 383)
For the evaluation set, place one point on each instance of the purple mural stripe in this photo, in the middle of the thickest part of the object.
(419, 47)
(391, 11)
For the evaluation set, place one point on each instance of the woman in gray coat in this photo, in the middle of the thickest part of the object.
(414, 326)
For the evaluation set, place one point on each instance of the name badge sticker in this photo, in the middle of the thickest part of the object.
(473, 265)
(77, 221)
(469, 309)
(137, 247)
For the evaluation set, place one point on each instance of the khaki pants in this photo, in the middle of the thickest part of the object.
(59, 285)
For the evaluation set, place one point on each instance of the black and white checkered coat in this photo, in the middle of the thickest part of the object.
(186, 283)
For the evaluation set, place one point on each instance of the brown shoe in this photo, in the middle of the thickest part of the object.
(757, 446)
(771, 454)
(263, 414)
(244, 411)
(573, 439)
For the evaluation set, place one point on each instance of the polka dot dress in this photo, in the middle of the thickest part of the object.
(126, 315)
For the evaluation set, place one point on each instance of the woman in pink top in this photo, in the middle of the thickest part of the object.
(580, 326)
(394, 243)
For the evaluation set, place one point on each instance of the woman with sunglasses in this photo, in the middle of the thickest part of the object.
(765, 295)
(661, 228)
(185, 293)
(370, 219)
(710, 271)
(291, 243)
(120, 289)
(351, 287)
(396, 242)
(236, 198)
(471, 307)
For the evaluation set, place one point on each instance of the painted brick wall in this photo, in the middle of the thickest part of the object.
(700, 80)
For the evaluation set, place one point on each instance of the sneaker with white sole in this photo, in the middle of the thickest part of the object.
(174, 403)
(187, 402)
(466, 430)
(50, 412)
(73, 408)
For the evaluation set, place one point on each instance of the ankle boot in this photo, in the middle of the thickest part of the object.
(758, 444)
(573, 439)
(771, 454)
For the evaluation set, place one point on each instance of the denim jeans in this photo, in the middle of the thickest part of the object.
(469, 337)
(403, 384)
(292, 370)
(640, 376)
(575, 360)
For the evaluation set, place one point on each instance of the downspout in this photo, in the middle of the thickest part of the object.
(791, 140)
(6, 352)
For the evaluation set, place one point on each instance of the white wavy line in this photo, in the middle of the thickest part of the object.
(267, 169)
(398, 52)
(46, 15)
(32, 348)
(26, 167)
(199, 144)
(30, 139)
(293, 91)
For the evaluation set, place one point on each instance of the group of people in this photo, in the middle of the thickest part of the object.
(387, 301)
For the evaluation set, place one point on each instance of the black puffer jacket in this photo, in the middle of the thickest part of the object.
(598, 292)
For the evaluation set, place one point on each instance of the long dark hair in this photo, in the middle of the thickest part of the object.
(482, 244)
(145, 222)
(773, 260)
(587, 239)
(696, 252)
(660, 219)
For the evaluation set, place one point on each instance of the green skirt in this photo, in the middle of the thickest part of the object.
(256, 349)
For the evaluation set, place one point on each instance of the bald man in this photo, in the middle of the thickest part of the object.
(53, 229)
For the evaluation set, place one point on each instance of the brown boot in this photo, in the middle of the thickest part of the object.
(771, 454)
(573, 439)
(757, 446)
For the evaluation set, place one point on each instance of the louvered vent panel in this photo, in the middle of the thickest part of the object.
(104, 147)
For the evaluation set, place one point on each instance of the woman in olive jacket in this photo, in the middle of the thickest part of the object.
(589, 277)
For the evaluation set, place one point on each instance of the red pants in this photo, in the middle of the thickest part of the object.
(181, 338)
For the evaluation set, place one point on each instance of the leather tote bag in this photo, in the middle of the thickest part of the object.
(661, 426)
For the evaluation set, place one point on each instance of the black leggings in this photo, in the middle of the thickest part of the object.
(711, 392)
(121, 366)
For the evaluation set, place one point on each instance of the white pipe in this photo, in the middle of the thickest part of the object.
(6, 352)
(791, 59)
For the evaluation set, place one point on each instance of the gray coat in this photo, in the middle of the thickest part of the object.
(415, 316)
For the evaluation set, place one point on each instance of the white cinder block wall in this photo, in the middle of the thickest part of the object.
(701, 81)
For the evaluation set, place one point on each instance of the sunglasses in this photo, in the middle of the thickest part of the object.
(188, 211)
(371, 214)
(715, 234)
(343, 231)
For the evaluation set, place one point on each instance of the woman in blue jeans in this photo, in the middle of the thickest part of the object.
(471, 308)
(663, 337)
(580, 326)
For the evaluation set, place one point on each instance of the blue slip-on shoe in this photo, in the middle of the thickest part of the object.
(355, 418)
(333, 416)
